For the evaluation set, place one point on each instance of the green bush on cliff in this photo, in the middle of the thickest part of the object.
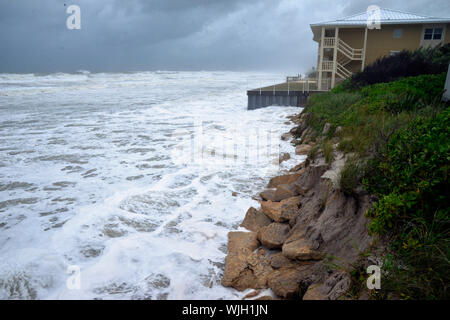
(411, 179)
(407, 94)
(402, 65)
(400, 133)
(370, 116)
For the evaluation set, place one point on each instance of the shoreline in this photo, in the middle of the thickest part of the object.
(298, 243)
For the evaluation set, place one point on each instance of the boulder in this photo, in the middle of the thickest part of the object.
(285, 283)
(298, 167)
(335, 287)
(303, 149)
(268, 195)
(261, 269)
(278, 260)
(286, 136)
(315, 292)
(245, 269)
(297, 131)
(236, 273)
(311, 176)
(255, 220)
(285, 191)
(281, 211)
(284, 157)
(300, 250)
(284, 179)
(273, 235)
(242, 240)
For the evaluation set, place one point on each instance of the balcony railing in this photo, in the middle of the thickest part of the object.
(328, 42)
(327, 66)
(344, 48)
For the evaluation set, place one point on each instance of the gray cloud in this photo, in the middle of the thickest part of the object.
(129, 35)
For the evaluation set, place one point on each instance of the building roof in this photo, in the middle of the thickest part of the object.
(388, 16)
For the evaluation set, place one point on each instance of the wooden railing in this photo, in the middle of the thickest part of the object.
(351, 53)
(327, 66)
(329, 42)
(342, 71)
(294, 78)
(343, 47)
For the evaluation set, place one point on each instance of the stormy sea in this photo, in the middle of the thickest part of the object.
(125, 185)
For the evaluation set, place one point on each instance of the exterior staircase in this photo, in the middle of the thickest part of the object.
(347, 55)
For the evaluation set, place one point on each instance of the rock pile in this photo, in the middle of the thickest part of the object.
(303, 219)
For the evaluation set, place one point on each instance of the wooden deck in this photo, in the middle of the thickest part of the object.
(293, 93)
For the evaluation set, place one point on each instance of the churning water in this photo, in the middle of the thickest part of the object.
(97, 173)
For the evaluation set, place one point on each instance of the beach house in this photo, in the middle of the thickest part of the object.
(347, 45)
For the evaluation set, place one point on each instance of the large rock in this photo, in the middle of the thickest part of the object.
(286, 136)
(284, 157)
(242, 241)
(300, 250)
(237, 274)
(303, 149)
(298, 167)
(247, 270)
(245, 267)
(335, 287)
(261, 268)
(285, 283)
(315, 292)
(278, 261)
(268, 195)
(284, 179)
(282, 211)
(273, 235)
(310, 178)
(255, 220)
(285, 191)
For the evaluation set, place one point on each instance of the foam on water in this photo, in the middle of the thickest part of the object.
(96, 170)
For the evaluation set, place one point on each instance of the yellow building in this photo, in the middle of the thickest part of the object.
(349, 44)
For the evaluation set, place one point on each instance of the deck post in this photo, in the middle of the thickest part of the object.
(322, 38)
(363, 62)
(333, 75)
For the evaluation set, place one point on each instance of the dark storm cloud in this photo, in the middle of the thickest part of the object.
(121, 35)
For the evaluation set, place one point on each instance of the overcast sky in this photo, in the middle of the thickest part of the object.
(134, 35)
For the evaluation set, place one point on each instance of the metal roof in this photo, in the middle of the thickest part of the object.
(388, 16)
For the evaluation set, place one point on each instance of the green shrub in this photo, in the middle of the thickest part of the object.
(411, 179)
(404, 64)
(327, 149)
(329, 108)
(400, 134)
(349, 177)
(403, 95)
(312, 154)
(412, 172)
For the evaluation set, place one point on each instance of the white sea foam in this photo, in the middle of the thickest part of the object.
(89, 177)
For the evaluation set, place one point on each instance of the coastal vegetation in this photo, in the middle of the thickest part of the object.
(390, 122)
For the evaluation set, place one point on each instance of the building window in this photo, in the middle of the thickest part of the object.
(398, 33)
(433, 34)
